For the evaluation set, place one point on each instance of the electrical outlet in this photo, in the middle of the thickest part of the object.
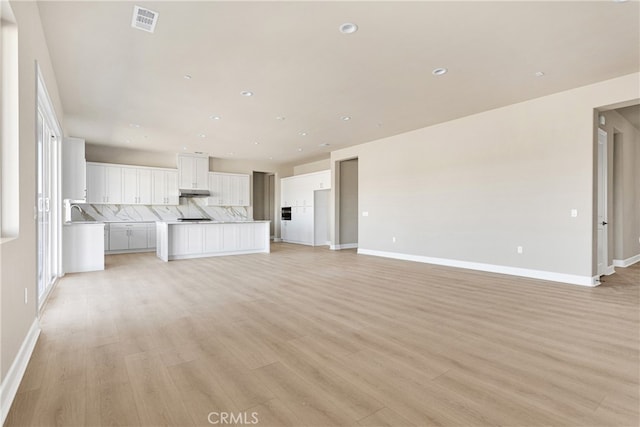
(574, 213)
(519, 249)
(365, 213)
(393, 239)
(26, 294)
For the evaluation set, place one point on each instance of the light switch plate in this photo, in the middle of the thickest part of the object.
(574, 213)
(365, 213)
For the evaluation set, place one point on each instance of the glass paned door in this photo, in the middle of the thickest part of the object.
(46, 193)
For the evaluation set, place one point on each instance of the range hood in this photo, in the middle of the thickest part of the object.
(192, 192)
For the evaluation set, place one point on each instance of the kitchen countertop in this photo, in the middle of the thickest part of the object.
(174, 222)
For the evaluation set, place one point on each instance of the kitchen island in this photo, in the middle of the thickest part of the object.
(182, 240)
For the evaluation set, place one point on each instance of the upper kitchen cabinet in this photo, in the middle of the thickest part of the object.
(104, 183)
(165, 187)
(228, 189)
(74, 176)
(193, 171)
(136, 184)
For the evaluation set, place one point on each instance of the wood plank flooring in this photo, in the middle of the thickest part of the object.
(310, 337)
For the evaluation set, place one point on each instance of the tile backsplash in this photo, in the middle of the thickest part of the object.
(189, 207)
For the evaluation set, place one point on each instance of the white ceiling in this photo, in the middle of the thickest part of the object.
(113, 78)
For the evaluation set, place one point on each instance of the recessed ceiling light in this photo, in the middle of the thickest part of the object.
(184, 148)
(270, 158)
(345, 118)
(299, 149)
(187, 76)
(620, 1)
(280, 118)
(202, 135)
(348, 28)
(214, 117)
(128, 141)
(256, 143)
(324, 144)
(303, 134)
(246, 93)
(230, 153)
(134, 125)
(439, 71)
(539, 74)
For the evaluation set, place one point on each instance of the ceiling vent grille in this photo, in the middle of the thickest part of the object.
(144, 19)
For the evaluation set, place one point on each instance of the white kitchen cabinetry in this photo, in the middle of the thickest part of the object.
(104, 183)
(180, 240)
(74, 175)
(297, 192)
(131, 237)
(82, 247)
(193, 170)
(136, 183)
(164, 187)
(228, 189)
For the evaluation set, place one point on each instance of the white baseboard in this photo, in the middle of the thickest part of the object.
(343, 246)
(491, 268)
(609, 270)
(277, 240)
(626, 262)
(11, 382)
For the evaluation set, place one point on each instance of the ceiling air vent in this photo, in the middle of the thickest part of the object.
(144, 19)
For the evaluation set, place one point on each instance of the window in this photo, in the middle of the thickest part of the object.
(9, 172)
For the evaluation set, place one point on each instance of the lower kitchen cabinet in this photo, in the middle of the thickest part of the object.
(82, 247)
(131, 237)
(180, 240)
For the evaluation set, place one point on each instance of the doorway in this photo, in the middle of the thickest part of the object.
(347, 206)
(602, 229)
(264, 198)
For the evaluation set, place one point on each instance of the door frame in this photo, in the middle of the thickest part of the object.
(602, 204)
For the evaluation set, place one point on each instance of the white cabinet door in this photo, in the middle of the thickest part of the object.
(129, 186)
(74, 175)
(215, 190)
(172, 188)
(136, 186)
(230, 237)
(213, 238)
(96, 185)
(144, 186)
(195, 236)
(243, 190)
(104, 184)
(113, 180)
(193, 171)
(164, 185)
(138, 237)
(118, 238)
(151, 235)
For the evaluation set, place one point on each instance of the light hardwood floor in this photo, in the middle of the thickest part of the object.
(306, 336)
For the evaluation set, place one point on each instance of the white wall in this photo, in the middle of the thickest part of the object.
(18, 256)
(475, 188)
(320, 165)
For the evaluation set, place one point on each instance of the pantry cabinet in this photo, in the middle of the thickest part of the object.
(298, 192)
